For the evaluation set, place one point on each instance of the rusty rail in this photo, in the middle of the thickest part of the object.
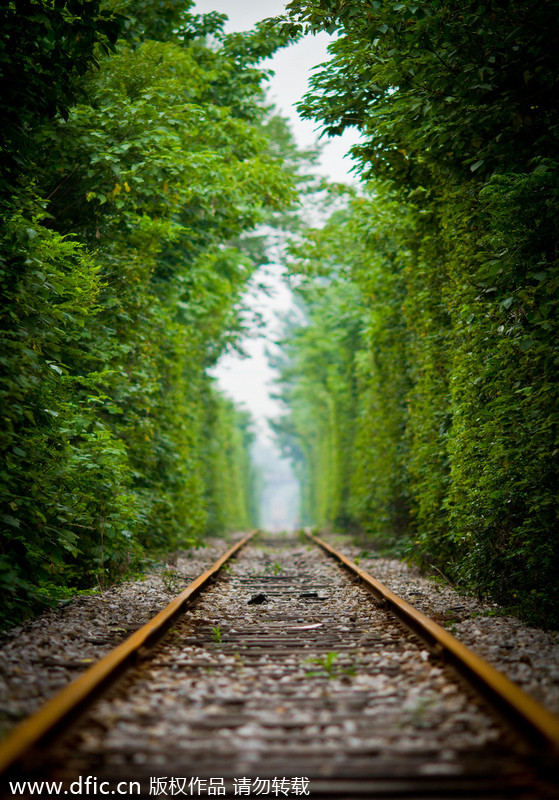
(530, 719)
(58, 712)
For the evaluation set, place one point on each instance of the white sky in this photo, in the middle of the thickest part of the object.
(292, 66)
(250, 381)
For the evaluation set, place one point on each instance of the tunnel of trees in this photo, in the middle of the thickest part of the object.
(140, 164)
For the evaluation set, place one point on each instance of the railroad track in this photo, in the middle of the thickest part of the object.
(287, 676)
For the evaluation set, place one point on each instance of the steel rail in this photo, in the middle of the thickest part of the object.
(530, 719)
(70, 701)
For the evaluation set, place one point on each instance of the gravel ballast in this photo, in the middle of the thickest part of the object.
(528, 656)
(41, 656)
(285, 666)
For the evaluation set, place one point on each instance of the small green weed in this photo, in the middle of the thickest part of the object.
(325, 664)
(416, 715)
(328, 667)
(216, 634)
(494, 612)
(171, 578)
(368, 554)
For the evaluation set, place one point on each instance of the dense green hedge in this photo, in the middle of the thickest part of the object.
(127, 197)
(453, 250)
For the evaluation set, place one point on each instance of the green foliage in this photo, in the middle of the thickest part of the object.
(229, 480)
(315, 375)
(122, 264)
(504, 443)
(346, 379)
(458, 365)
(45, 47)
